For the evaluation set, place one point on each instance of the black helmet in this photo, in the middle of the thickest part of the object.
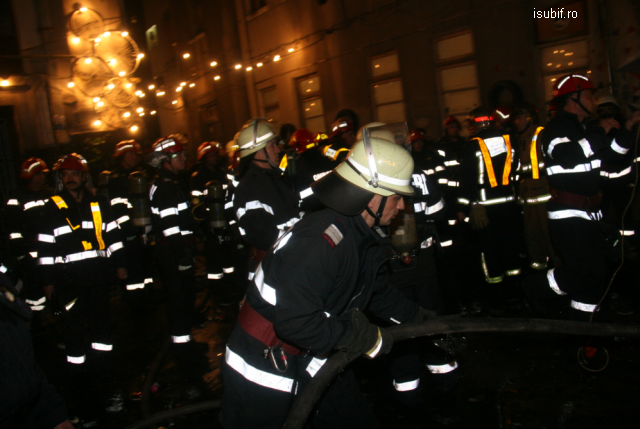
(528, 110)
(479, 119)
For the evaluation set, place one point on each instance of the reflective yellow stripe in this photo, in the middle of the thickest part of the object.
(71, 225)
(535, 173)
(487, 162)
(283, 163)
(97, 223)
(59, 202)
(507, 163)
(87, 245)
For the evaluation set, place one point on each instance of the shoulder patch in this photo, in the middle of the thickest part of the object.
(335, 233)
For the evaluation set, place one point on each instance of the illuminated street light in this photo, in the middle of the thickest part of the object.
(97, 123)
(134, 128)
(183, 83)
(111, 86)
(71, 84)
(126, 114)
(96, 99)
(122, 73)
(291, 50)
(213, 63)
(153, 112)
(100, 103)
(140, 56)
(4, 82)
(129, 85)
(160, 94)
(88, 60)
(139, 109)
(191, 85)
(259, 65)
(124, 33)
(185, 56)
(106, 34)
(238, 66)
(174, 102)
(83, 9)
(152, 86)
(276, 58)
(249, 68)
(216, 78)
(178, 89)
(75, 40)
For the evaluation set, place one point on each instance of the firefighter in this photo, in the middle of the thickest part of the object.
(573, 156)
(174, 228)
(423, 154)
(265, 207)
(533, 192)
(343, 136)
(23, 217)
(413, 272)
(208, 183)
(80, 255)
(134, 224)
(487, 196)
(309, 292)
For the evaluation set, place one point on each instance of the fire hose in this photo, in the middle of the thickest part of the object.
(304, 404)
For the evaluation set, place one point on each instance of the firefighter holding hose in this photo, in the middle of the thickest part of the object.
(300, 309)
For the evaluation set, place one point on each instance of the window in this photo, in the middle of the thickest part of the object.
(311, 104)
(388, 99)
(270, 106)
(458, 76)
(8, 42)
(559, 60)
(152, 37)
(255, 5)
(211, 122)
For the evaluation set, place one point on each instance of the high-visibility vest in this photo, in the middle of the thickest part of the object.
(535, 172)
(487, 161)
(97, 221)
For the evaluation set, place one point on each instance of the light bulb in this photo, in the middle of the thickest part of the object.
(71, 84)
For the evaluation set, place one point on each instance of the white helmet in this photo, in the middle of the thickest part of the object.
(255, 135)
(373, 166)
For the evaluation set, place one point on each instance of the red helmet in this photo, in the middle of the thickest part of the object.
(571, 83)
(206, 148)
(302, 140)
(127, 146)
(31, 166)
(451, 120)
(479, 119)
(342, 125)
(168, 145)
(502, 114)
(321, 139)
(73, 161)
(417, 135)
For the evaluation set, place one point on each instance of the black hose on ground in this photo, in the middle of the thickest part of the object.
(176, 412)
(304, 404)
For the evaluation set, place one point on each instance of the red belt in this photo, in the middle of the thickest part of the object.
(261, 329)
(575, 200)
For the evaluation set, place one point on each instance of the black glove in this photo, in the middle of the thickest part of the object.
(365, 338)
(423, 315)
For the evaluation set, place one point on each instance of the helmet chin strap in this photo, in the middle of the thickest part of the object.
(577, 101)
(378, 215)
(267, 160)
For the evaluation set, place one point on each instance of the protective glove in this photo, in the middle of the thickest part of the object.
(366, 339)
(478, 217)
(425, 315)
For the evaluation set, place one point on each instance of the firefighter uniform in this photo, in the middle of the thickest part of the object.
(139, 258)
(264, 206)
(307, 296)
(487, 194)
(78, 244)
(218, 247)
(420, 285)
(174, 251)
(573, 157)
(307, 302)
(24, 214)
(447, 175)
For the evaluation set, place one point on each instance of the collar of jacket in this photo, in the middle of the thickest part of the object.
(167, 175)
(563, 115)
(254, 169)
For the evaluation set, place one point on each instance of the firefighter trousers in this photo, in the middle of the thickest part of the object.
(499, 243)
(582, 277)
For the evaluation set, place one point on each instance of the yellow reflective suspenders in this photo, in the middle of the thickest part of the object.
(535, 173)
(97, 223)
(59, 202)
(487, 162)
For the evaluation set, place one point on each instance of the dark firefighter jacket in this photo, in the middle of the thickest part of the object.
(573, 158)
(79, 239)
(311, 166)
(170, 209)
(264, 206)
(23, 216)
(306, 285)
(119, 193)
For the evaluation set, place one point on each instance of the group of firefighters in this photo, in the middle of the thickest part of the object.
(321, 238)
